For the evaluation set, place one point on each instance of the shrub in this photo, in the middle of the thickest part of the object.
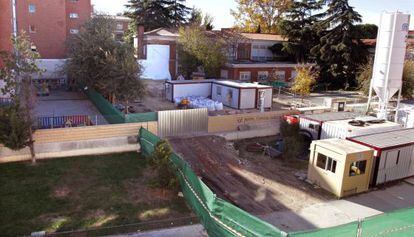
(293, 142)
(165, 171)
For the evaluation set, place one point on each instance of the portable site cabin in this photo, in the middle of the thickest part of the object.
(174, 89)
(339, 166)
(241, 95)
(393, 156)
(356, 127)
(313, 123)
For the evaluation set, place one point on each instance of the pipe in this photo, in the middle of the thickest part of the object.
(14, 18)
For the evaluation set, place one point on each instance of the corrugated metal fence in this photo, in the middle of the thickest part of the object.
(179, 122)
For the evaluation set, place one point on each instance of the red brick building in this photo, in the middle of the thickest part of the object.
(6, 27)
(249, 59)
(49, 23)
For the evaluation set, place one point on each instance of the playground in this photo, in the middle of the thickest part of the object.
(61, 104)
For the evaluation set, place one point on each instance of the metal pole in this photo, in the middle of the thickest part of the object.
(398, 105)
(14, 18)
(369, 96)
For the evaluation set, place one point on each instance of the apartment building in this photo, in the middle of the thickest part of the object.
(48, 23)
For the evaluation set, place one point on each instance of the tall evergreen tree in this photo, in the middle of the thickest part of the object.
(338, 53)
(153, 14)
(298, 28)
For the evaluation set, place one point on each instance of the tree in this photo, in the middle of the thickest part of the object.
(338, 53)
(153, 14)
(303, 82)
(365, 75)
(198, 47)
(365, 31)
(292, 140)
(259, 15)
(298, 28)
(197, 18)
(16, 122)
(98, 61)
(161, 163)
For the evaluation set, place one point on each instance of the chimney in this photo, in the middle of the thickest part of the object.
(140, 43)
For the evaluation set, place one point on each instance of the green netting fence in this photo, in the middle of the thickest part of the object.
(110, 113)
(113, 115)
(222, 219)
(141, 117)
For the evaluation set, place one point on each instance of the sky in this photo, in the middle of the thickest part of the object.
(220, 9)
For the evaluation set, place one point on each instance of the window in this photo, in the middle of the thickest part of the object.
(219, 90)
(313, 126)
(32, 29)
(262, 75)
(119, 37)
(32, 8)
(280, 75)
(245, 76)
(243, 51)
(74, 31)
(73, 15)
(357, 168)
(119, 26)
(326, 163)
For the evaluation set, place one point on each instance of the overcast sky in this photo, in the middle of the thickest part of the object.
(220, 9)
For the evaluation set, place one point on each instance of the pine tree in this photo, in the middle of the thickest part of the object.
(153, 14)
(338, 53)
(298, 28)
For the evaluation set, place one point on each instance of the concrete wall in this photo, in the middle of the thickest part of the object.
(51, 68)
(64, 142)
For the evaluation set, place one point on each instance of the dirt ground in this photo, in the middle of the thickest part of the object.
(254, 182)
(154, 99)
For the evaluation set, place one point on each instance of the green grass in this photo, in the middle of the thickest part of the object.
(82, 192)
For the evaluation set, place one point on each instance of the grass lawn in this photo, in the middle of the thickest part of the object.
(82, 192)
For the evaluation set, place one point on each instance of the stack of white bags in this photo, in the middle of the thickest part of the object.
(200, 102)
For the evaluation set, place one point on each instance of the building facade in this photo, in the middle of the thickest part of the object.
(48, 23)
(121, 26)
(249, 56)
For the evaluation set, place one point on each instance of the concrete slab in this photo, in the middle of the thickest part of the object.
(337, 212)
(61, 103)
(183, 231)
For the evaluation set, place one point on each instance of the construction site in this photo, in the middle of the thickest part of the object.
(252, 181)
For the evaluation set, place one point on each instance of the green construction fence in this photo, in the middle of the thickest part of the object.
(141, 117)
(113, 115)
(110, 113)
(222, 219)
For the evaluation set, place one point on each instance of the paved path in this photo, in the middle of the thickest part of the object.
(184, 231)
(346, 210)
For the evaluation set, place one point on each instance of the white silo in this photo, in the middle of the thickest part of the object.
(389, 59)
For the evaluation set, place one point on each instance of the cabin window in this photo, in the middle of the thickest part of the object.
(357, 168)
(326, 163)
(219, 90)
(313, 126)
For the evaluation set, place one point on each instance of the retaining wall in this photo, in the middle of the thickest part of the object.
(64, 142)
